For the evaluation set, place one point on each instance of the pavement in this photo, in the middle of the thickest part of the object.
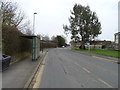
(70, 69)
(18, 74)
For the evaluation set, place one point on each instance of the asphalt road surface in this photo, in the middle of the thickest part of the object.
(68, 69)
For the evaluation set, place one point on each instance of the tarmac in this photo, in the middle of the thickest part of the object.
(21, 74)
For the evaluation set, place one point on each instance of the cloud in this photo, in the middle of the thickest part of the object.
(52, 14)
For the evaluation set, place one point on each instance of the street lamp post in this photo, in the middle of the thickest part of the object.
(34, 23)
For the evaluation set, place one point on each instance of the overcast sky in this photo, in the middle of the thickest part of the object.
(52, 14)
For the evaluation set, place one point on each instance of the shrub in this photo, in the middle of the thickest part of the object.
(13, 44)
(103, 46)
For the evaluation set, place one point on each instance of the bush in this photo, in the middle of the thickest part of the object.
(82, 47)
(103, 46)
(47, 44)
(13, 44)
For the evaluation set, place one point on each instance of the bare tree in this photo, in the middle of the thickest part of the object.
(26, 28)
(46, 38)
(53, 38)
(12, 16)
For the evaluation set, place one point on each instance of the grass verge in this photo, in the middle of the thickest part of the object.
(101, 52)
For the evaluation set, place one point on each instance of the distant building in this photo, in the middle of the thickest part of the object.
(104, 42)
(117, 41)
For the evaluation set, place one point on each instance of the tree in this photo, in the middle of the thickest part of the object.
(0, 31)
(46, 38)
(54, 39)
(11, 15)
(61, 41)
(84, 25)
(14, 17)
(26, 28)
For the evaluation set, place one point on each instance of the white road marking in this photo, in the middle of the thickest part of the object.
(102, 81)
(105, 59)
(83, 68)
(77, 64)
(86, 70)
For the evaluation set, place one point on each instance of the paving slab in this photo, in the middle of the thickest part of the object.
(18, 73)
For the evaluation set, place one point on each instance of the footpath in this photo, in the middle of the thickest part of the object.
(20, 74)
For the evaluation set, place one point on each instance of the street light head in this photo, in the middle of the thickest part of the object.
(35, 13)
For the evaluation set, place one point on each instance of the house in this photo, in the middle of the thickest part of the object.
(93, 44)
(117, 41)
(104, 42)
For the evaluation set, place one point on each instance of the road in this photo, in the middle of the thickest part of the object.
(69, 69)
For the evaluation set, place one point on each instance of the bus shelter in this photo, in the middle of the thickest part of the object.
(35, 46)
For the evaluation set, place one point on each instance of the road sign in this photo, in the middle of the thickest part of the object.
(88, 44)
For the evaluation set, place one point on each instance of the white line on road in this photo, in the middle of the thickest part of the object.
(85, 69)
(104, 82)
(77, 64)
(105, 59)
